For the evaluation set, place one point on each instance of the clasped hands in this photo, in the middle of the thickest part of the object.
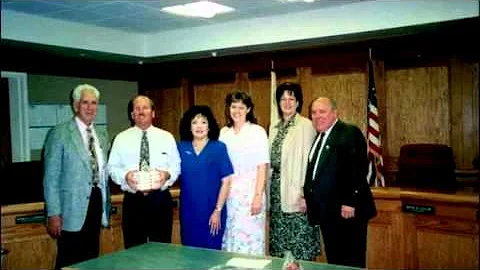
(146, 181)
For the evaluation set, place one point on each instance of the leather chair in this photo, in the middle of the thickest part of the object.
(426, 166)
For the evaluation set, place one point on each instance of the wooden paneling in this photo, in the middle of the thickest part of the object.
(111, 238)
(464, 112)
(437, 249)
(30, 247)
(436, 103)
(384, 241)
(168, 108)
(417, 100)
(213, 95)
(349, 90)
(427, 91)
(260, 92)
(305, 81)
(448, 238)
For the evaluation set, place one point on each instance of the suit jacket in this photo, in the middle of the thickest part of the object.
(67, 179)
(340, 178)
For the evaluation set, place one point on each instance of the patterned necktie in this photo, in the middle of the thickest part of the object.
(313, 160)
(144, 153)
(93, 157)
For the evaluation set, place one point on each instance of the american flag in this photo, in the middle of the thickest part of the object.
(375, 168)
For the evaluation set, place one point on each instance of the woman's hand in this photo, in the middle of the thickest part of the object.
(214, 222)
(302, 204)
(256, 205)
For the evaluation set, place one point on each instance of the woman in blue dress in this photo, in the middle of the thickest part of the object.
(204, 180)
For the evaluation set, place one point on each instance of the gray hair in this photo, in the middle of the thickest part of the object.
(77, 92)
(331, 102)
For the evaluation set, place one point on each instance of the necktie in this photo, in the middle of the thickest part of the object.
(313, 160)
(93, 157)
(144, 153)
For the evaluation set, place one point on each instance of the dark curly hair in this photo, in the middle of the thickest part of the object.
(186, 123)
(245, 99)
(293, 89)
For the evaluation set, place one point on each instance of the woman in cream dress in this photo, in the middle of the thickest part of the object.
(247, 146)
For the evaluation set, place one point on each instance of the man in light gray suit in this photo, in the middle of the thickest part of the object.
(75, 181)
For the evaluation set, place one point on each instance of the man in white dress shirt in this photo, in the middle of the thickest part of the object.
(147, 206)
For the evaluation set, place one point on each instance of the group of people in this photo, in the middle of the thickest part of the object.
(310, 175)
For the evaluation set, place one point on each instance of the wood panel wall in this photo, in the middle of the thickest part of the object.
(427, 93)
(426, 104)
(213, 95)
(418, 102)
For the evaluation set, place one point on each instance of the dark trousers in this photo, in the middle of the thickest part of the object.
(147, 218)
(75, 247)
(345, 241)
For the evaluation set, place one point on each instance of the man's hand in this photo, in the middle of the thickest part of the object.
(131, 181)
(348, 211)
(54, 226)
(159, 178)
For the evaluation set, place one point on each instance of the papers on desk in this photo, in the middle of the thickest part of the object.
(248, 263)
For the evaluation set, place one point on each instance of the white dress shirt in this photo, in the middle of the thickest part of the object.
(325, 137)
(125, 155)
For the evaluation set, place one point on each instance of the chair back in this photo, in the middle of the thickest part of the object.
(426, 166)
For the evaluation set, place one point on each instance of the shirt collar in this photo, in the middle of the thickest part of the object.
(81, 124)
(330, 129)
(139, 130)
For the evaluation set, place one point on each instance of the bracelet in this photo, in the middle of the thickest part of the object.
(218, 209)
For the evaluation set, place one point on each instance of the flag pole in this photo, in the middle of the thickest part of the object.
(273, 102)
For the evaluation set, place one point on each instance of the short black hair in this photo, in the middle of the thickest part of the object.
(292, 88)
(245, 99)
(186, 123)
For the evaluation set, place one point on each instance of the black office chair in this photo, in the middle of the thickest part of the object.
(426, 166)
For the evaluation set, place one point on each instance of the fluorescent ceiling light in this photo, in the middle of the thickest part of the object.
(202, 9)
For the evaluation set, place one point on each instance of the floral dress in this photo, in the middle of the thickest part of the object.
(288, 231)
(245, 233)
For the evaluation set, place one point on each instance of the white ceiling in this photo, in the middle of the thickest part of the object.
(138, 27)
(139, 16)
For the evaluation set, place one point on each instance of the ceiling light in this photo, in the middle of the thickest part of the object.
(202, 9)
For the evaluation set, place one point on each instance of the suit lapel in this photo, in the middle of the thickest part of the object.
(102, 139)
(78, 143)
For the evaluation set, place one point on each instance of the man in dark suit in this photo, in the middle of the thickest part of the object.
(337, 195)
